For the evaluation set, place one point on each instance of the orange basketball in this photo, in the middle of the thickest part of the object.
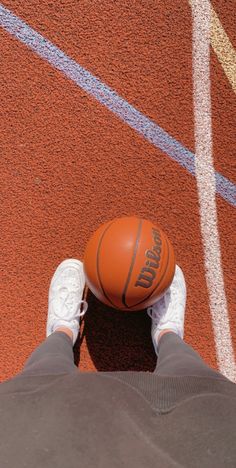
(129, 263)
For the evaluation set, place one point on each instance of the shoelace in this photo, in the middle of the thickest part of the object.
(77, 314)
(156, 314)
(173, 318)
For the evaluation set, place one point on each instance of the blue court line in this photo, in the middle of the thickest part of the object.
(109, 98)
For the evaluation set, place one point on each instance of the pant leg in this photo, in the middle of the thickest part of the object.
(53, 356)
(176, 358)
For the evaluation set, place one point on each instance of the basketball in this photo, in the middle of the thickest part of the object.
(129, 263)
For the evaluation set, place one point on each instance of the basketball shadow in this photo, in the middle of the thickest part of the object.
(117, 340)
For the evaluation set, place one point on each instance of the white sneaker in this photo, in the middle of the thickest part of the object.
(65, 297)
(169, 311)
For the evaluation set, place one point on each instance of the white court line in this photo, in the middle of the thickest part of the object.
(204, 167)
(223, 48)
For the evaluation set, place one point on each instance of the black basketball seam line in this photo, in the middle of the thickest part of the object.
(147, 297)
(132, 262)
(167, 264)
(97, 263)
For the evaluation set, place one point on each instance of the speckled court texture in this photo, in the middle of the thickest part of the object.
(69, 163)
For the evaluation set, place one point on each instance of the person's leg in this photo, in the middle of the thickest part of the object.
(54, 356)
(176, 358)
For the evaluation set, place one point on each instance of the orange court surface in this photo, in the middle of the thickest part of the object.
(110, 109)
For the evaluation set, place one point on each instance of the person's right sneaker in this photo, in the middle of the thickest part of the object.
(169, 311)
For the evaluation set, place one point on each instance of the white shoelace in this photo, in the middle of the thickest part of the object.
(77, 314)
(156, 314)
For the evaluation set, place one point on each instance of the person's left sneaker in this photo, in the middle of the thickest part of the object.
(65, 297)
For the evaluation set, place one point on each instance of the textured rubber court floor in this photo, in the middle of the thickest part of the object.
(71, 159)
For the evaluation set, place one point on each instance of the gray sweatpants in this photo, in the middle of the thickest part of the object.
(176, 358)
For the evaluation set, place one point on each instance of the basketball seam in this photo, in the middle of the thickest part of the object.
(132, 262)
(97, 265)
(167, 265)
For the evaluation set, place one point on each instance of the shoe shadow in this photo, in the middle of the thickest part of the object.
(116, 340)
